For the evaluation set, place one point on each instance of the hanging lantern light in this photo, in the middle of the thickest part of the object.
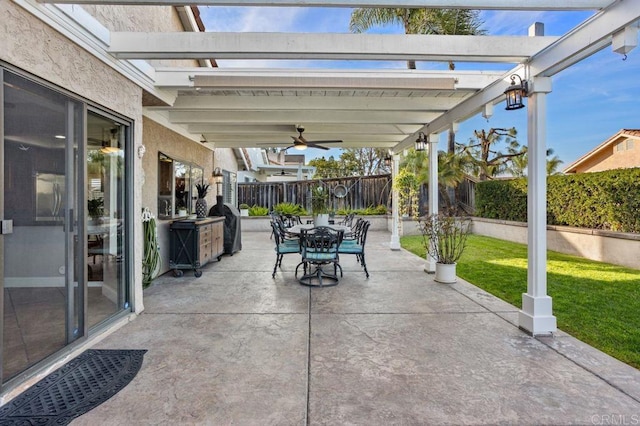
(421, 142)
(515, 93)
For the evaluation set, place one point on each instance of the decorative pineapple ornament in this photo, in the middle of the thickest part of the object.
(201, 203)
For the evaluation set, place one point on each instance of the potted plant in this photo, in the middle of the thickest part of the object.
(95, 208)
(444, 237)
(320, 206)
(201, 203)
(244, 209)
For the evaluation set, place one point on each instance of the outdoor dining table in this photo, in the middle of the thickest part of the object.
(307, 278)
(297, 229)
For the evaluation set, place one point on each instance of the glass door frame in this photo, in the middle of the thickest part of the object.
(75, 236)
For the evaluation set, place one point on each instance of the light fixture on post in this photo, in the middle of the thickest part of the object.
(516, 92)
(217, 178)
(421, 142)
(387, 161)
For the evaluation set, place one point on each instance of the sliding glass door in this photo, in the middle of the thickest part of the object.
(43, 303)
(62, 205)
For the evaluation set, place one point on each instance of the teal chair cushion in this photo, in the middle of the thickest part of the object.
(350, 248)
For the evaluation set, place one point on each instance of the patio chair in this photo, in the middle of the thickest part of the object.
(283, 246)
(320, 248)
(357, 246)
(355, 230)
(290, 220)
(348, 219)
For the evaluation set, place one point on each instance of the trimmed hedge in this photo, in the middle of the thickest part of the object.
(603, 200)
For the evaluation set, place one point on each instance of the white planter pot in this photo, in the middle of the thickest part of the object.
(445, 273)
(244, 212)
(321, 220)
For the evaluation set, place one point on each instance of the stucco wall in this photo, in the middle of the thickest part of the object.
(617, 248)
(156, 139)
(226, 160)
(141, 18)
(611, 158)
(618, 159)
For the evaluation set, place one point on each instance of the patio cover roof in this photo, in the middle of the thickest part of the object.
(243, 107)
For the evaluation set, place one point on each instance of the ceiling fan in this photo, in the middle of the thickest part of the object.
(300, 143)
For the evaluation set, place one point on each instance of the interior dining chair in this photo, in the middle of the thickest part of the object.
(357, 245)
(320, 249)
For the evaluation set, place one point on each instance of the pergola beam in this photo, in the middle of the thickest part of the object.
(440, 4)
(320, 80)
(297, 116)
(326, 46)
(345, 103)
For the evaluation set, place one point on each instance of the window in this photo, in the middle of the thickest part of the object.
(176, 186)
(229, 187)
(620, 146)
(629, 143)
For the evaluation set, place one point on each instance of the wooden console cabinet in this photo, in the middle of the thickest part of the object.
(194, 243)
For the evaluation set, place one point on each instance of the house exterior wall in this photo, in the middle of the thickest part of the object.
(613, 158)
(156, 139)
(142, 18)
(29, 44)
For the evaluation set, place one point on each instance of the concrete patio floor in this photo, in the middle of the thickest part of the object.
(238, 347)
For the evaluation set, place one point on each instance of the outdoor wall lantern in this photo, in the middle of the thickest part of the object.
(387, 161)
(421, 142)
(515, 93)
(217, 178)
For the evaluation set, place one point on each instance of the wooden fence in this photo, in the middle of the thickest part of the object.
(361, 192)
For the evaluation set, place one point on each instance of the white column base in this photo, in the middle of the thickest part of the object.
(430, 266)
(394, 244)
(536, 316)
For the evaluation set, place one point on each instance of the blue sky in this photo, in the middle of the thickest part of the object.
(590, 101)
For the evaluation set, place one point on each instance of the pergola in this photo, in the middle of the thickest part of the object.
(365, 108)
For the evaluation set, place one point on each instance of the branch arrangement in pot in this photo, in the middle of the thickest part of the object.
(444, 237)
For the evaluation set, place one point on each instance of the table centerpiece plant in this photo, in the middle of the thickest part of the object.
(320, 205)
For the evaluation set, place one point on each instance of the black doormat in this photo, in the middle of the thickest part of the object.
(75, 388)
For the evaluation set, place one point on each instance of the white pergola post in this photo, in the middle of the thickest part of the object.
(536, 315)
(430, 266)
(394, 244)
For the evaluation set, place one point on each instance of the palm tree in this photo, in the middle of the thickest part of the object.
(450, 171)
(519, 164)
(419, 21)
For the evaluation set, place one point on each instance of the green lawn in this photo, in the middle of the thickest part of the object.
(596, 302)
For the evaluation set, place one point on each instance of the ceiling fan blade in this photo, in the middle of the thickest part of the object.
(329, 141)
(313, 145)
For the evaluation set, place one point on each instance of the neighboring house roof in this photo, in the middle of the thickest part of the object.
(605, 146)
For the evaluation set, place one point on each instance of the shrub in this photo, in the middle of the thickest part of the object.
(603, 200)
(256, 210)
(290, 208)
(244, 206)
(380, 209)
